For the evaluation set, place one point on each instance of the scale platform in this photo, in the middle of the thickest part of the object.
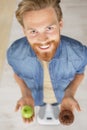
(48, 115)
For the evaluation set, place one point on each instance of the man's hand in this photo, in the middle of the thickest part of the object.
(26, 100)
(70, 103)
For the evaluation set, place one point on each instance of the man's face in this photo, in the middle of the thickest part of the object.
(42, 30)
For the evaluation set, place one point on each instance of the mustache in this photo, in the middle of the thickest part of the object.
(47, 43)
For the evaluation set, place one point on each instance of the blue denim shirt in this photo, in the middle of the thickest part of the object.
(70, 59)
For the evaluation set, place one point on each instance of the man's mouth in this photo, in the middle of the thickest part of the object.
(44, 47)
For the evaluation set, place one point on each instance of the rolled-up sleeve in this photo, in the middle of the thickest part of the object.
(84, 60)
(85, 55)
(11, 60)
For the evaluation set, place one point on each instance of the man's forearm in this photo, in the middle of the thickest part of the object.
(72, 87)
(24, 89)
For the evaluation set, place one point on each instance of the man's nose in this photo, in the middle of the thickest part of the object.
(43, 38)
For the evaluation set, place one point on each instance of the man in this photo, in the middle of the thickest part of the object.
(65, 58)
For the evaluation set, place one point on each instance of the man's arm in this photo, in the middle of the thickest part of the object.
(26, 98)
(24, 89)
(69, 101)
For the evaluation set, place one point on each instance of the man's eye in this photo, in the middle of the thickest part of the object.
(50, 28)
(33, 32)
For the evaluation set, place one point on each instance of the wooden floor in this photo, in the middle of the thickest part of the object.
(7, 8)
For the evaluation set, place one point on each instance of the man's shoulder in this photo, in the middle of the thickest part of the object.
(19, 48)
(74, 48)
(68, 41)
(71, 43)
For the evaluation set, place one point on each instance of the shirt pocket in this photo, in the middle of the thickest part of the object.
(65, 71)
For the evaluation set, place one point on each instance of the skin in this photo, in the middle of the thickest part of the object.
(69, 102)
(42, 30)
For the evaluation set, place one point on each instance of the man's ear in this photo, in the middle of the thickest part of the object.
(61, 24)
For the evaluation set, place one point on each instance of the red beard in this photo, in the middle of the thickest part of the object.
(46, 55)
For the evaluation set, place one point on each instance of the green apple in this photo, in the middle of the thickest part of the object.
(27, 111)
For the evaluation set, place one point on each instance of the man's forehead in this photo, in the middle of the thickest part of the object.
(40, 26)
(40, 14)
(44, 10)
(42, 18)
